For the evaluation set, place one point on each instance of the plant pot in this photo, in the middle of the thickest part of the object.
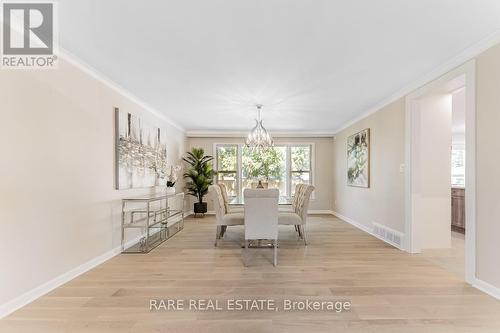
(200, 207)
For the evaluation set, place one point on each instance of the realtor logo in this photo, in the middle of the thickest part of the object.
(28, 35)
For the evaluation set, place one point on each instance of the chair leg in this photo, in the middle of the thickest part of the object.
(217, 234)
(303, 227)
(275, 243)
(299, 231)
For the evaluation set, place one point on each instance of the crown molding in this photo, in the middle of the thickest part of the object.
(86, 68)
(242, 134)
(463, 57)
(466, 55)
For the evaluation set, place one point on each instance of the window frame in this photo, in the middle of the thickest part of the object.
(288, 163)
(461, 148)
(238, 165)
(291, 172)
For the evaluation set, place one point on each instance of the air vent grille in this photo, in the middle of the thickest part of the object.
(387, 234)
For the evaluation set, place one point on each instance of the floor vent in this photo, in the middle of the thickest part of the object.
(389, 235)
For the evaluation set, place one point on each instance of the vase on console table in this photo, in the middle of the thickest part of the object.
(172, 179)
(170, 187)
(160, 181)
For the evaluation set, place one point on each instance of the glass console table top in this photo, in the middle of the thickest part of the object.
(151, 197)
(157, 218)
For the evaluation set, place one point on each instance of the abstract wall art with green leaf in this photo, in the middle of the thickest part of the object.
(358, 159)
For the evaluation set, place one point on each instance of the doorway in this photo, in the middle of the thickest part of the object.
(428, 160)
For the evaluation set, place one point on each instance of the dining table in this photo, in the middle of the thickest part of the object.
(240, 201)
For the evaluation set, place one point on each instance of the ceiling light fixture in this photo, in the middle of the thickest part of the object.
(259, 138)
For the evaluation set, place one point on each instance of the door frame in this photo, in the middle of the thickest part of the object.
(412, 243)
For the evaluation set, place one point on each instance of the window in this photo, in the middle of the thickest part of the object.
(227, 164)
(300, 167)
(458, 166)
(282, 167)
(268, 166)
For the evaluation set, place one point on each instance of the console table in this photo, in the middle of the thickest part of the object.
(158, 217)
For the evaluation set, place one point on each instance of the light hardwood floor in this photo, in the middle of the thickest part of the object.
(390, 291)
(452, 259)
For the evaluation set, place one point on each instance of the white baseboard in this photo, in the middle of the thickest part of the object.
(30, 296)
(319, 212)
(487, 288)
(191, 212)
(311, 212)
(479, 284)
(365, 228)
(354, 223)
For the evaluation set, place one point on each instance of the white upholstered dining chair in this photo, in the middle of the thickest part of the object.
(261, 216)
(298, 214)
(223, 219)
(228, 209)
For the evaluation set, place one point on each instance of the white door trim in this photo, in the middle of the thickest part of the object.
(411, 242)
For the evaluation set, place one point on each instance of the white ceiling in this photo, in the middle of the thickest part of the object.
(315, 65)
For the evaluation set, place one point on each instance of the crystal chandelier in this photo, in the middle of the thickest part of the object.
(259, 138)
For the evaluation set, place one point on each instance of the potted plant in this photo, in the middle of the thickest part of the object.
(199, 177)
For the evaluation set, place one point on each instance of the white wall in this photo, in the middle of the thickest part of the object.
(57, 197)
(431, 170)
(388, 124)
(323, 164)
(487, 166)
(458, 118)
(383, 202)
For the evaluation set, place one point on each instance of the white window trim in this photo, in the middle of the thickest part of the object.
(288, 163)
(460, 147)
(238, 161)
